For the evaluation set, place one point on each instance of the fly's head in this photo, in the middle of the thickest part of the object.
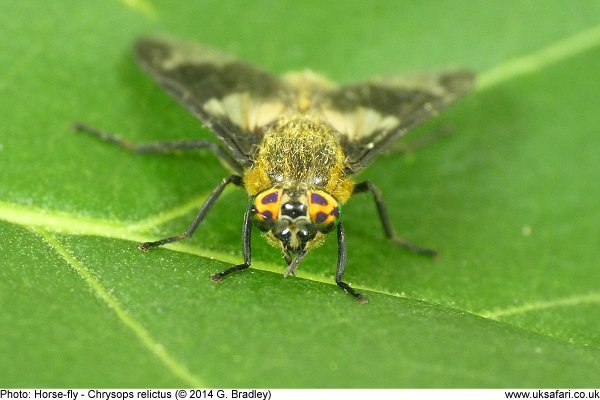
(295, 218)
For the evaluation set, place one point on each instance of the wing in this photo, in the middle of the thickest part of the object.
(370, 115)
(239, 102)
(233, 99)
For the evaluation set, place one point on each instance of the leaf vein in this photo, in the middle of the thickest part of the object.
(171, 214)
(569, 301)
(557, 51)
(65, 223)
(174, 366)
(144, 7)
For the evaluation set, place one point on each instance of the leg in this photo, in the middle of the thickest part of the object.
(341, 266)
(246, 236)
(160, 147)
(367, 186)
(235, 179)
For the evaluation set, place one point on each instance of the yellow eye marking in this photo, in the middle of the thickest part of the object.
(267, 205)
(324, 210)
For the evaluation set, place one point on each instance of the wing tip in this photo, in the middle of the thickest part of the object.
(458, 82)
(148, 49)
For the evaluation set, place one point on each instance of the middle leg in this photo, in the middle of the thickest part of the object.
(368, 186)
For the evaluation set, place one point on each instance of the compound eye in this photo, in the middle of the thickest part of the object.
(324, 210)
(265, 208)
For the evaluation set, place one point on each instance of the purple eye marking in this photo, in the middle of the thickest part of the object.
(316, 198)
(270, 198)
(335, 212)
(267, 215)
(321, 217)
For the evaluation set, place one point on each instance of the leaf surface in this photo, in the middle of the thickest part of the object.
(510, 199)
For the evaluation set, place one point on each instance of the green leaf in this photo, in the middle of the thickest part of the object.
(510, 200)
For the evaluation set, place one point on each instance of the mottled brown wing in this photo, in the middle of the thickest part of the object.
(370, 115)
(233, 99)
(239, 101)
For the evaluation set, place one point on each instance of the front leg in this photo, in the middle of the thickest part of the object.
(212, 199)
(246, 247)
(341, 266)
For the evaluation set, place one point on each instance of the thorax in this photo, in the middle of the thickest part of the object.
(299, 154)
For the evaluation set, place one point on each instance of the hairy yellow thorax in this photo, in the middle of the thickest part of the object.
(300, 153)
